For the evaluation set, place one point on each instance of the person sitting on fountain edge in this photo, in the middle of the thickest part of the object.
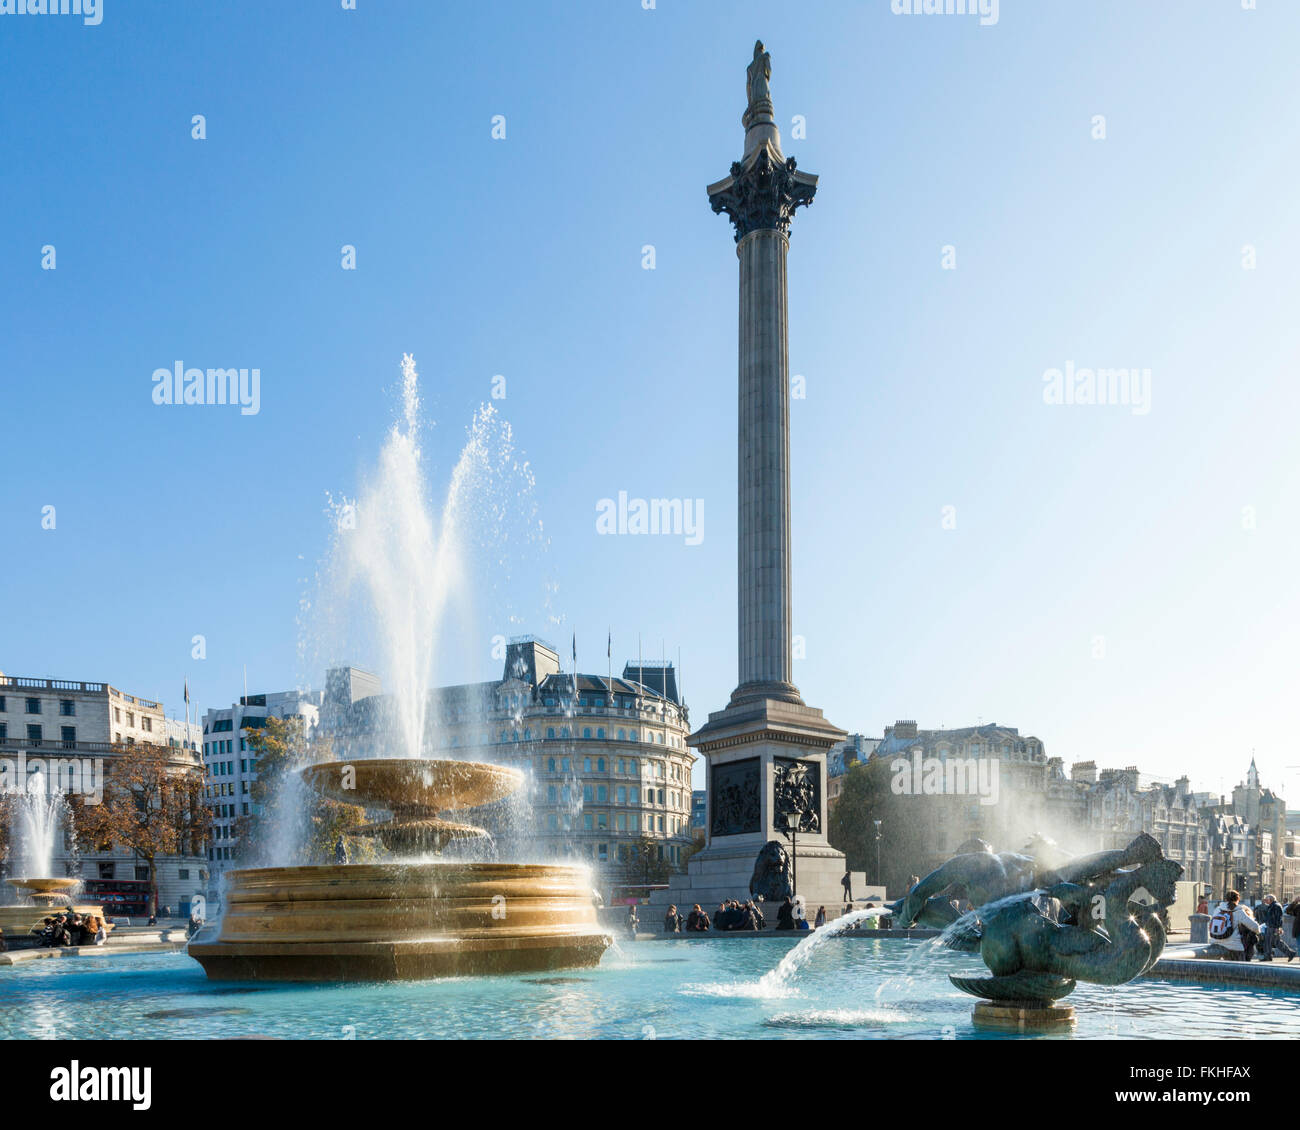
(672, 921)
(697, 921)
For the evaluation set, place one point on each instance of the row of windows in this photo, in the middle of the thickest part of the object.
(146, 723)
(625, 765)
(227, 746)
(36, 733)
(623, 794)
(623, 822)
(67, 706)
(624, 735)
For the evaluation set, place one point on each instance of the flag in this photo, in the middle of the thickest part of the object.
(575, 650)
(187, 692)
(609, 645)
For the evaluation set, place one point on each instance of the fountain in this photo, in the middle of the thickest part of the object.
(420, 914)
(408, 919)
(34, 823)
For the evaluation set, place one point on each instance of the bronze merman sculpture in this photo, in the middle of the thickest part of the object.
(1041, 930)
(984, 877)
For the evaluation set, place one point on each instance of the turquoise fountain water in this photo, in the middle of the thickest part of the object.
(859, 987)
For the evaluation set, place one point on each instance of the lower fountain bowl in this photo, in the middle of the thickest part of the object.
(402, 921)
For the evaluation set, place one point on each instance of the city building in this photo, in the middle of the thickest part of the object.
(1000, 796)
(608, 766)
(699, 810)
(73, 726)
(1121, 804)
(230, 767)
(1251, 835)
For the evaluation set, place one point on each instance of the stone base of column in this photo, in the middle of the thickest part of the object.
(746, 746)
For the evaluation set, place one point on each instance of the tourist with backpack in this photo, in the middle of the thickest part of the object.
(1234, 929)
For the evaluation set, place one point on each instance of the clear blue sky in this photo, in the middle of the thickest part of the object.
(523, 257)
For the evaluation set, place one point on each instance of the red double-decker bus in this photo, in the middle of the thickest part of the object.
(121, 898)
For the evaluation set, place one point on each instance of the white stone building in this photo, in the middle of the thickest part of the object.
(69, 729)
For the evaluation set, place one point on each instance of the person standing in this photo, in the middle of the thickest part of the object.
(1271, 933)
(785, 916)
(1292, 913)
(820, 920)
(847, 884)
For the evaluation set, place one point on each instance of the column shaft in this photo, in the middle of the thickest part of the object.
(764, 462)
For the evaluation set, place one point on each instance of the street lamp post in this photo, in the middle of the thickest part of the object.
(878, 878)
(792, 830)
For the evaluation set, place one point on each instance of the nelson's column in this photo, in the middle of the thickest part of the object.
(766, 751)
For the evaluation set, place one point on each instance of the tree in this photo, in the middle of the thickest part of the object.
(647, 865)
(313, 823)
(152, 804)
(696, 844)
(866, 797)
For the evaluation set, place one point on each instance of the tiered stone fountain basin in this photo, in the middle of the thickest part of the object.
(405, 920)
(47, 896)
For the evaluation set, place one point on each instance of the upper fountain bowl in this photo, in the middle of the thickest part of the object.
(402, 783)
(44, 890)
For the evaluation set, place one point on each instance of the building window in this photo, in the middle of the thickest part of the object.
(33, 706)
(146, 724)
(600, 733)
(550, 731)
(67, 707)
(586, 764)
(33, 732)
(634, 795)
(602, 794)
(622, 795)
(600, 765)
(586, 731)
(69, 736)
(622, 734)
(4, 731)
